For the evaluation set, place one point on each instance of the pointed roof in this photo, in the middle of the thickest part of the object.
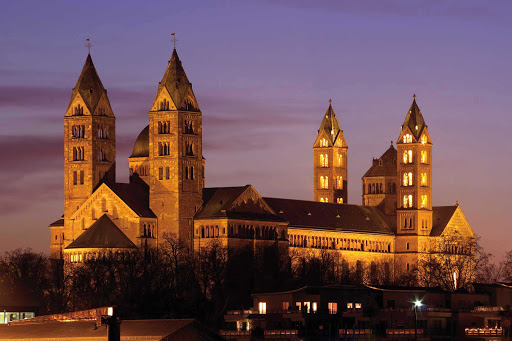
(441, 216)
(176, 82)
(102, 234)
(330, 124)
(387, 167)
(89, 86)
(235, 203)
(414, 119)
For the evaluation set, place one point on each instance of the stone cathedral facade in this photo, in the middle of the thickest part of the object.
(395, 225)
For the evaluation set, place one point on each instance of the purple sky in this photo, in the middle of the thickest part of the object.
(263, 73)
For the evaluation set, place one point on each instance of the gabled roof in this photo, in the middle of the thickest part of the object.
(104, 234)
(235, 203)
(414, 119)
(337, 217)
(388, 166)
(141, 146)
(89, 86)
(330, 124)
(135, 195)
(176, 82)
(441, 216)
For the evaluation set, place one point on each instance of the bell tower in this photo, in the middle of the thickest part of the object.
(330, 161)
(414, 171)
(176, 160)
(89, 142)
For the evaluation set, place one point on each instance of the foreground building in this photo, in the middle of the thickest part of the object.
(374, 313)
(394, 228)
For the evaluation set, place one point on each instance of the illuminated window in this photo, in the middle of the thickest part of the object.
(321, 199)
(298, 305)
(339, 182)
(407, 179)
(407, 138)
(339, 200)
(423, 156)
(410, 200)
(323, 143)
(423, 139)
(358, 305)
(315, 307)
(262, 307)
(340, 160)
(339, 143)
(424, 200)
(407, 201)
(424, 179)
(333, 307)
(307, 306)
(324, 182)
(407, 156)
(410, 178)
(286, 306)
(324, 160)
(326, 199)
(350, 306)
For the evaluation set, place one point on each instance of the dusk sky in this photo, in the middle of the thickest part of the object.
(263, 73)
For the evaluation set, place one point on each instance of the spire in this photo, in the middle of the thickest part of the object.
(176, 82)
(330, 124)
(414, 120)
(89, 85)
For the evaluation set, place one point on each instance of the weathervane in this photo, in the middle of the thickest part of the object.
(174, 40)
(88, 45)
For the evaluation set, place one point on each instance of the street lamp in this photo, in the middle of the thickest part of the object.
(417, 304)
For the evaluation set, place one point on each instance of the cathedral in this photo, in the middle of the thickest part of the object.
(166, 196)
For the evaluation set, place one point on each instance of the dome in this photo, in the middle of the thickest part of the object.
(141, 146)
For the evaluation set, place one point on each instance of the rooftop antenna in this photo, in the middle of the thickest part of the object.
(88, 45)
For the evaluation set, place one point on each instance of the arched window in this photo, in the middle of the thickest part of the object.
(424, 179)
(424, 139)
(186, 172)
(405, 201)
(405, 156)
(369, 189)
(407, 138)
(322, 182)
(339, 182)
(340, 160)
(424, 200)
(191, 172)
(423, 156)
(410, 223)
(321, 160)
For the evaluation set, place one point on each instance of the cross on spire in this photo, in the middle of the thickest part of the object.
(88, 45)
(174, 40)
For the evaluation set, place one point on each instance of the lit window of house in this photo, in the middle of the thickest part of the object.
(307, 306)
(315, 307)
(410, 200)
(410, 178)
(262, 307)
(407, 138)
(340, 160)
(286, 306)
(409, 153)
(339, 182)
(333, 307)
(350, 305)
(339, 200)
(358, 306)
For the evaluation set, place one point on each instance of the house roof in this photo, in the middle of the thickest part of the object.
(227, 202)
(385, 168)
(330, 124)
(89, 86)
(141, 145)
(133, 329)
(337, 217)
(104, 233)
(135, 195)
(59, 222)
(441, 216)
(414, 118)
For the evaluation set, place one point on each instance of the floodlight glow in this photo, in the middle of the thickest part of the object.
(417, 303)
